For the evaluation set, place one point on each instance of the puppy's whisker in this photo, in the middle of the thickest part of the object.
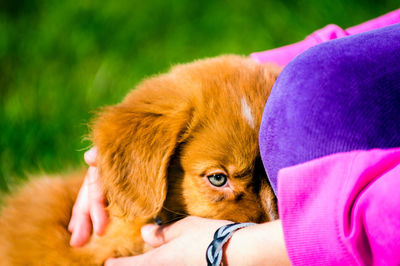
(174, 212)
(174, 219)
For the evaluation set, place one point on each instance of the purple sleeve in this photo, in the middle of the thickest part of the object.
(342, 209)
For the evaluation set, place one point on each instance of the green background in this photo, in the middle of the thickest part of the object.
(61, 60)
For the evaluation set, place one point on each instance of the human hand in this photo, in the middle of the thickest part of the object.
(181, 243)
(89, 206)
(185, 243)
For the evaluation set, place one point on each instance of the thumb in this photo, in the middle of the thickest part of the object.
(91, 156)
(153, 235)
(156, 235)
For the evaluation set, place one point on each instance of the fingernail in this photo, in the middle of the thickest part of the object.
(148, 230)
(90, 156)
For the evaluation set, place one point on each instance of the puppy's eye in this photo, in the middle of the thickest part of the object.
(217, 180)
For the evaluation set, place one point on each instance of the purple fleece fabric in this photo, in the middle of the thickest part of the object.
(338, 96)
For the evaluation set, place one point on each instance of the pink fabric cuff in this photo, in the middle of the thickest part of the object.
(283, 55)
(342, 209)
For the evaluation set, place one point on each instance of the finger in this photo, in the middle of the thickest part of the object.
(81, 206)
(93, 184)
(80, 225)
(71, 224)
(152, 236)
(82, 231)
(91, 156)
(99, 217)
(97, 202)
(156, 236)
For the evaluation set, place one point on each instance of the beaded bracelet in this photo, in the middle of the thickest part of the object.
(221, 236)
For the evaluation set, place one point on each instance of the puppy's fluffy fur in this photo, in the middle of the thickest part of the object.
(157, 151)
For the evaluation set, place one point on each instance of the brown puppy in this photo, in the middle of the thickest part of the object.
(183, 143)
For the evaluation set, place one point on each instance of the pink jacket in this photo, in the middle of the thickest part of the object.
(343, 209)
(283, 55)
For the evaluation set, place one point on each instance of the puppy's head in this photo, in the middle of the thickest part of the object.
(186, 143)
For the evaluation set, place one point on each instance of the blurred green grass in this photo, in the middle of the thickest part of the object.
(60, 60)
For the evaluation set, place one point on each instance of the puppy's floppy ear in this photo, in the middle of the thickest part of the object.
(135, 142)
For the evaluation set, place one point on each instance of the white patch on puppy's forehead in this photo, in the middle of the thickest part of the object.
(246, 112)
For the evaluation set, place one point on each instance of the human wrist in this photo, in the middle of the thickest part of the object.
(257, 245)
(214, 252)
